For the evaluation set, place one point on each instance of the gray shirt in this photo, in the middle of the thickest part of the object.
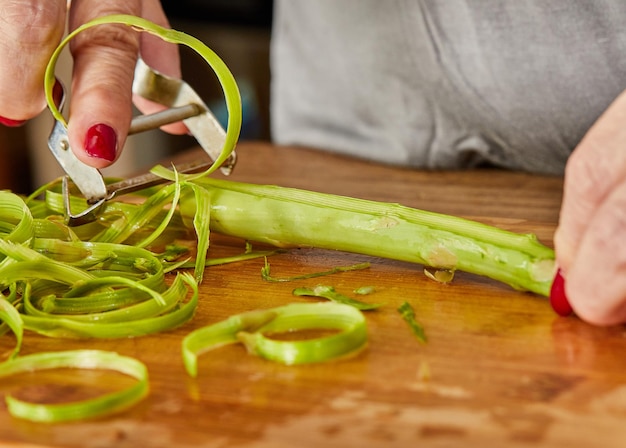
(446, 83)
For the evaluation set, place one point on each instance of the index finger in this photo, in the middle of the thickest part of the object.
(104, 63)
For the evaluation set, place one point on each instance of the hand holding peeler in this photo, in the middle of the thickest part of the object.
(183, 104)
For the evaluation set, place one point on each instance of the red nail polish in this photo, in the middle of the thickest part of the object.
(558, 299)
(101, 142)
(11, 123)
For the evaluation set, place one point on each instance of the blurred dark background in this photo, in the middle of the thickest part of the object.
(241, 13)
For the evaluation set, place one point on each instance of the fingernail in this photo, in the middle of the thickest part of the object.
(11, 123)
(558, 299)
(101, 142)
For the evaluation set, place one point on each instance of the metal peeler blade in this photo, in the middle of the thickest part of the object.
(183, 104)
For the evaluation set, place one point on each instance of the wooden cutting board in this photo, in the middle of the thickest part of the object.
(499, 368)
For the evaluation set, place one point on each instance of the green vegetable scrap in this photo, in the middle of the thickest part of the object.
(328, 292)
(10, 318)
(265, 272)
(77, 359)
(251, 328)
(408, 314)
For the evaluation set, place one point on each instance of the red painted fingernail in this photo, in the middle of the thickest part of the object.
(101, 142)
(558, 299)
(11, 123)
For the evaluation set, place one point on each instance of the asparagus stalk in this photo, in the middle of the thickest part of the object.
(287, 217)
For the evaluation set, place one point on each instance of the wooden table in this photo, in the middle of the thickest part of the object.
(499, 369)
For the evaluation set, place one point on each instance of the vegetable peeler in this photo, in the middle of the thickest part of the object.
(183, 103)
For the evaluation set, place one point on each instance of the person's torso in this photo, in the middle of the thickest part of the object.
(446, 84)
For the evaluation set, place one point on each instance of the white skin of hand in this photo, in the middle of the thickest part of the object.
(590, 240)
(104, 63)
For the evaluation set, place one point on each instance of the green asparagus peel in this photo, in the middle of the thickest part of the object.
(265, 272)
(79, 359)
(251, 329)
(71, 288)
(328, 292)
(11, 318)
(408, 314)
(350, 322)
(140, 320)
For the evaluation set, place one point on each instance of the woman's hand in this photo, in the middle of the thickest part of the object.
(104, 63)
(590, 241)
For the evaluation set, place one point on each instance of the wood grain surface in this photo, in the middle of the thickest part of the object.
(499, 368)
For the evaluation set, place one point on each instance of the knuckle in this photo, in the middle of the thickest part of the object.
(587, 178)
(119, 40)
